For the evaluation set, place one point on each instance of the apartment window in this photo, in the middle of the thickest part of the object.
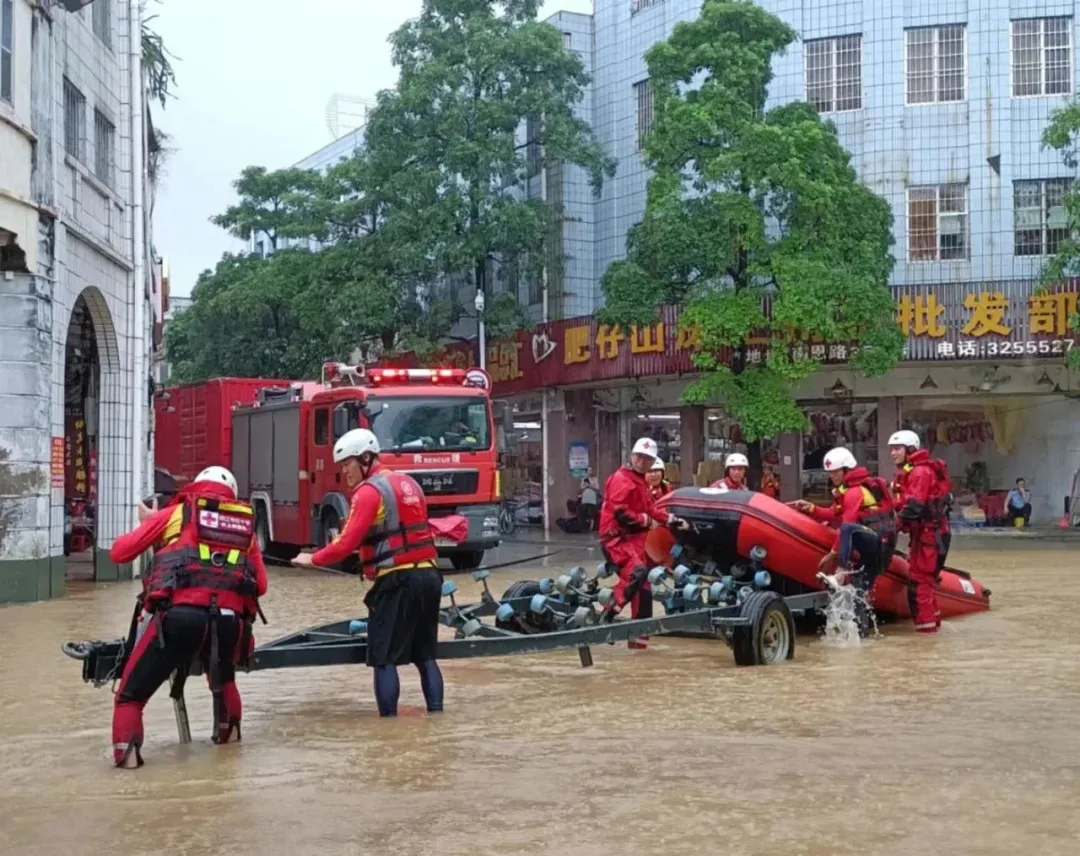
(7, 39)
(638, 5)
(568, 41)
(104, 147)
(644, 100)
(1041, 57)
(935, 64)
(74, 121)
(937, 223)
(102, 21)
(834, 73)
(1039, 221)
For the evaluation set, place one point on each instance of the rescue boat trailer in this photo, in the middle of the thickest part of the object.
(533, 617)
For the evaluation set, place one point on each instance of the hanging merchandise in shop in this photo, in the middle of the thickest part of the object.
(953, 322)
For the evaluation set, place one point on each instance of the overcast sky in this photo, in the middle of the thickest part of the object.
(253, 81)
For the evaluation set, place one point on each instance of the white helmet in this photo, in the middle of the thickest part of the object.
(658, 464)
(905, 438)
(646, 446)
(355, 443)
(839, 459)
(736, 459)
(219, 475)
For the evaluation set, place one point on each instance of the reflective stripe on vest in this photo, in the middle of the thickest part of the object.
(875, 518)
(381, 532)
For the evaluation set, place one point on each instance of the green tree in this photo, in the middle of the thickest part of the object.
(1063, 135)
(279, 204)
(355, 286)
(243, 322)
(447, 150)
(748, 206)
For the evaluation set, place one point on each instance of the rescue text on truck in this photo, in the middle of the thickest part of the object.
(435, 424)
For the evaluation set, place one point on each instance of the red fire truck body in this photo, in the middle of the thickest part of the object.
(277, 437)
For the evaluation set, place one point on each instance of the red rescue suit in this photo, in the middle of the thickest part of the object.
(387, 525)
(660, 490)
(727, 482)
(201, 593)
(626, 516)
(920, 491)
(862, 499)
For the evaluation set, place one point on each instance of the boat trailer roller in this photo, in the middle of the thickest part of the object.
(534, 617)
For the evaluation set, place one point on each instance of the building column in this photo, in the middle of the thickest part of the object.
(27, 570)
(888, 421)
(789, 448)
(608, 445)
(570, 420)
(692, 442)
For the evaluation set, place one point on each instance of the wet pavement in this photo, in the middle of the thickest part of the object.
(964, 743)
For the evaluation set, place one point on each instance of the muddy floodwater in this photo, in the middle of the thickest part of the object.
(963, 743)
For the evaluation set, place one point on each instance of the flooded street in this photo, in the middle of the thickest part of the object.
(966, 743)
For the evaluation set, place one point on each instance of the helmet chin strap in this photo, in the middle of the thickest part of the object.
(365, 469)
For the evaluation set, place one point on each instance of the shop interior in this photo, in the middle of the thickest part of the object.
(852, 425)
(978, 441)
(522, 479)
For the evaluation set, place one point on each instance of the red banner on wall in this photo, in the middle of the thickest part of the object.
(950, 322)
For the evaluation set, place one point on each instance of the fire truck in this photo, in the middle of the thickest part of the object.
(277, 437)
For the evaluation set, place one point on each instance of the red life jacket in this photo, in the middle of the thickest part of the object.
(936, 513)
(729, 484)
(400, 538)
(876, 507)
(202, 558)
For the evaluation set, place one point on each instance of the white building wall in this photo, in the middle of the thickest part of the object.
(85, 233)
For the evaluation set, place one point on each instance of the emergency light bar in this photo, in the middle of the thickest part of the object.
(459, 377)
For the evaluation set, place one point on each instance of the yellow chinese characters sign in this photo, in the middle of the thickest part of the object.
(986, 314)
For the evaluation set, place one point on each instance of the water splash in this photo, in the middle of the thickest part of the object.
(846, 604)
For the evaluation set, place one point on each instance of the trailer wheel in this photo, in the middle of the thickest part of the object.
(770, 636)
(528, 622)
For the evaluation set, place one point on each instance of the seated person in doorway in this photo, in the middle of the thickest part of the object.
(1018, 503)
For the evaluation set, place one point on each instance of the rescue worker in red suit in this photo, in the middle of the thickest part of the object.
(200, 598)
(921, 494)
(626, 516)
(659, 486)
(735, 468)
(865, 522)
(388, 526)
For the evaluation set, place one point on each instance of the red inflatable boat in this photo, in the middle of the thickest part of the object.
(728, 525)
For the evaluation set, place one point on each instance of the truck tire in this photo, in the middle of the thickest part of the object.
(273, 549)
(330, 529)
(468, 561)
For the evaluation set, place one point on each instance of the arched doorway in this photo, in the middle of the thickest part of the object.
(82, 397)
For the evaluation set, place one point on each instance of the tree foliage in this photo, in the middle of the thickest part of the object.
(1063, 135)
(447, 147)
(437, 196)
(749, 205)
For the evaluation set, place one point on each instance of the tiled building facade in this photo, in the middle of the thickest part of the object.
(75, 291)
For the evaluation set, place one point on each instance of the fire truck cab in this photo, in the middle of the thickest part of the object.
(435, 424)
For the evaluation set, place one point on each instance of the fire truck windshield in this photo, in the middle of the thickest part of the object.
(443, 424)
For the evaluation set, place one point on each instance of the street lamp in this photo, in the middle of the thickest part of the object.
(479, 304)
